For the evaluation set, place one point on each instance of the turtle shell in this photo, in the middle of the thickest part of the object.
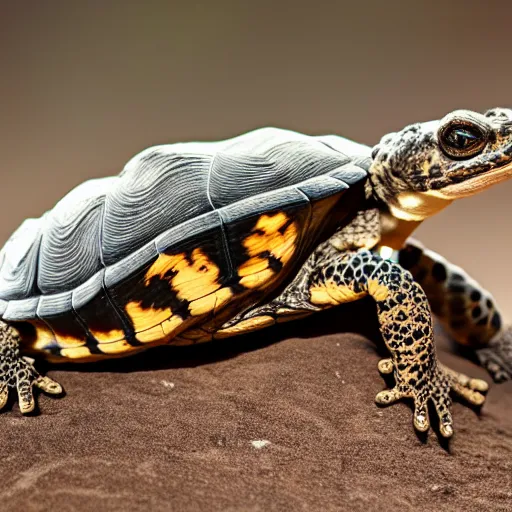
(186, 234)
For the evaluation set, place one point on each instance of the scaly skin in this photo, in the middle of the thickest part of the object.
(406, 326)
(18, 373)
(496, 358)
(467, 310)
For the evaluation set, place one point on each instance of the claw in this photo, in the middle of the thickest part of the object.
(446, 429)
(469, 389)
(26, 398)
(421, 421)
(388, 396)
(479, 385)
(48, 385)
(4, 395)
(473, 397)
(465, 381)
(385, 366)
(442, 406)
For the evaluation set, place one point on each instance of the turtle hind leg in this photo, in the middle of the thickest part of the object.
(496, 358)
(18, 373)
(467, 311)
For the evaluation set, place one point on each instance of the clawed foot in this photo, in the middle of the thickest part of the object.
(19, 373)
(497, 357)
(437, 388)
(22, 375)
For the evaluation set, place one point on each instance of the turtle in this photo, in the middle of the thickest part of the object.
(201, 241)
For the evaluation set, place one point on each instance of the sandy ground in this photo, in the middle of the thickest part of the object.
(280, 420)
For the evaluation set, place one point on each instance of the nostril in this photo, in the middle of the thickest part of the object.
(375, 150)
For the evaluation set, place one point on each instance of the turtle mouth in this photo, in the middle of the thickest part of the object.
(474, 184)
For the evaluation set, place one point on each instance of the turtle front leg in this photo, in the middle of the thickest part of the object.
(329, 278)
(467, 311)
(406, 325)
(18, 373)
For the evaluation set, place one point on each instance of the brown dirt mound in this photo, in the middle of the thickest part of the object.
(252, 424)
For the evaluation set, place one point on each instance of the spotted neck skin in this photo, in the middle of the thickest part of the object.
(423, 168)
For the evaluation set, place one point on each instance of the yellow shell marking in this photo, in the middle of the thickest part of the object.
(69, 341)
(108, 336)
(76, 352)
(148, 323)
(266, 237)
(156, 333)
(44, 336)
(171, 324)
(210, 302)
(116, 347)
(191, 280)
(143, 318)
(194, 280)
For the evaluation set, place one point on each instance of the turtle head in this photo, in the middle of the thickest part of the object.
(423, 168)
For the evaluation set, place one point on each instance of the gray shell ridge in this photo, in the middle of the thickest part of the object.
(107, 228)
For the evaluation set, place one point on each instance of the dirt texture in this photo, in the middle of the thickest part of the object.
(283, 419)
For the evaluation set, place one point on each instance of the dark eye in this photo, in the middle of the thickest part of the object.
(462, 140)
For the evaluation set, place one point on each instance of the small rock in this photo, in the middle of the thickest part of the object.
(260, 444)
(167, 384)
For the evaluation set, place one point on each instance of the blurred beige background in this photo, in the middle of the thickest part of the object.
(85, 85)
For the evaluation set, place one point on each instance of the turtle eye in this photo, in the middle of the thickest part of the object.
(462, 140)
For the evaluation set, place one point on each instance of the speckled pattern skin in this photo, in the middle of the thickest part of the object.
(412, 160)
(467, 310)
(413, 174)
(497, 356)
(19, 373)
